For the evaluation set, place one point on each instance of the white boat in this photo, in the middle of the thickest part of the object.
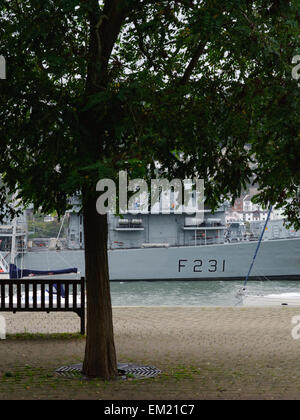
(281, 299)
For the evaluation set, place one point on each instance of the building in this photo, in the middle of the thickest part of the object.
(244, 210)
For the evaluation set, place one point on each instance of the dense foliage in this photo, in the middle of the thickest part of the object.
(202, 87)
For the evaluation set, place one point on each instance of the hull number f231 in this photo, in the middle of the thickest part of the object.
(200, 266)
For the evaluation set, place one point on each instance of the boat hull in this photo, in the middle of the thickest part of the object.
(276, 260)
(284, 299)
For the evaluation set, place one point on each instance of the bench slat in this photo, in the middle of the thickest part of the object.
(75, 296)
(2, 295)
(42, 296)
(19, 293)
(10, 296)
(50, 296)
(67, 295)
(58, 296)
(34, 295)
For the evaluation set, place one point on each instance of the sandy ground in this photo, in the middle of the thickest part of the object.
(204, 353)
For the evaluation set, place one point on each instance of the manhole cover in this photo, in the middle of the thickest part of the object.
(126, 369)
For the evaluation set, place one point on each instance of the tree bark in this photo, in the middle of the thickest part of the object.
(100, 355)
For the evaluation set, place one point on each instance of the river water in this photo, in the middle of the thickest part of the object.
(192, 293)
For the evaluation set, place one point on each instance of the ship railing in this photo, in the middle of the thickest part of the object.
(216, 225)
(130, 225)
(207, 241)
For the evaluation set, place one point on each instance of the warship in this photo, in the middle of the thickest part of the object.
(162, 247)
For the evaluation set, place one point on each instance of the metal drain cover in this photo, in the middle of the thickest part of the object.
(126, 369)
(70, 371)
(138, 372)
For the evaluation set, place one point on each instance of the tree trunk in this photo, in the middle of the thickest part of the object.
(100, 355)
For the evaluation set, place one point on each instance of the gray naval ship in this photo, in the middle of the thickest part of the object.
(170, 247)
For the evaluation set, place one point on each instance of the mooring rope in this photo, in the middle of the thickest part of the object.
(242, 290)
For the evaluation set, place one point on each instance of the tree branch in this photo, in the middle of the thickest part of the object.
(143, 48)
(105, 27)
(115, 11)
(192, 64)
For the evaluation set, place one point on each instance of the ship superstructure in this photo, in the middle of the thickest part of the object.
(154, 230)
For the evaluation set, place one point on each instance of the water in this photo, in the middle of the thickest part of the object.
(192, 293)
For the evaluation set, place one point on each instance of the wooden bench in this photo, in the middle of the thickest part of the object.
(43, 295)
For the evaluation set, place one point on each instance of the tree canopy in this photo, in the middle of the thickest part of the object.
(172, 88)
(207, 81)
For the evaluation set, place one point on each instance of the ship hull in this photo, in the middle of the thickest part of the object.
(276, 260)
